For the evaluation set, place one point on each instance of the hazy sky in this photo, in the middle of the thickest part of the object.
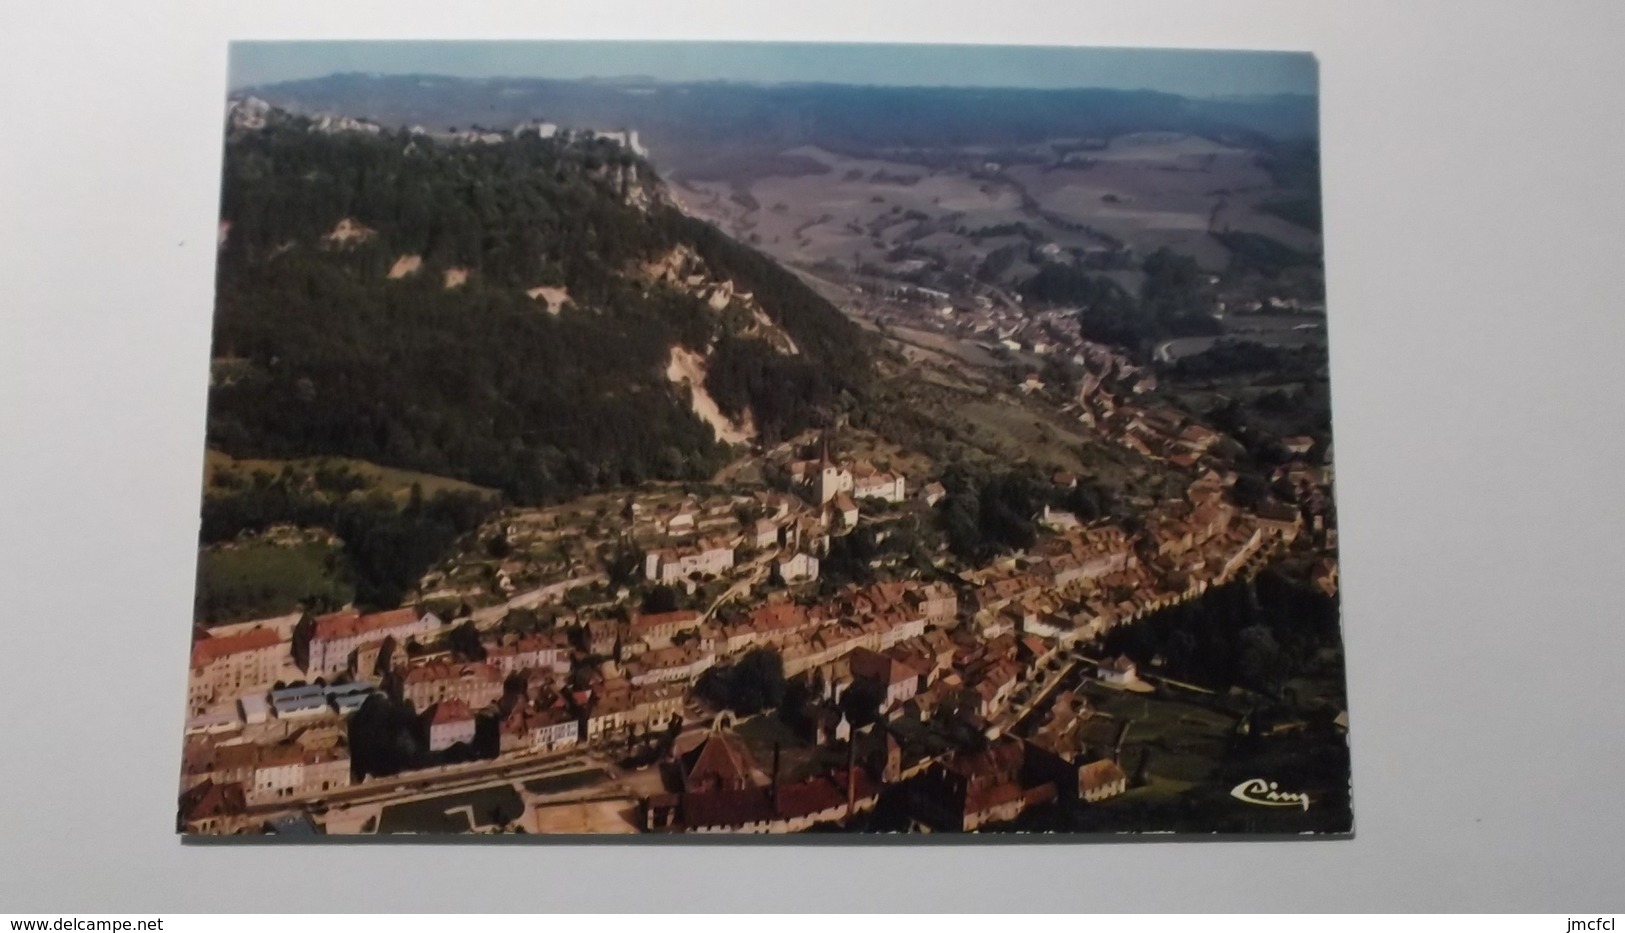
(1191, 73)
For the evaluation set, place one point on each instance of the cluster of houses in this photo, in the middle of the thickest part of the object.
(675, 648)
(1157, 433)
(936, 671)
(997, 784)
(700, 541)
(268, 699)
(837, 487)
(1078, 584)
(715, 784)
(219, 782)
(721, 788)
(1052, 332)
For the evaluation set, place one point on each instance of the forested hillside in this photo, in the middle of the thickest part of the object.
(377, 299)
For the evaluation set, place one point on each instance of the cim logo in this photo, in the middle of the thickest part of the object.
(1260, 792)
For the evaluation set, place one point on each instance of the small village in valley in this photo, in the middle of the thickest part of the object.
(887, 547)
(935, 702)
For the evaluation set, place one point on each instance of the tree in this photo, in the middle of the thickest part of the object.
(1261, 662)
(861, 701)
(465, 642)
(753, 684)
(383, 737)
(985, 514)
(660, 598)
(477, 386)
(498, 545)
(758, 681)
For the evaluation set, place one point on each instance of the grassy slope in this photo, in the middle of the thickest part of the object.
(259, 580)
(395, 481)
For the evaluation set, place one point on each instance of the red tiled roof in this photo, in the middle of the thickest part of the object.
(722, 757)
(277, 756)
(888, 594)
(213, 649)
(1098, 774)
(984, 800)
(520, 720)
(1000, 758)
(449, 711)
(825, 792)
(727, 807)
(209, 799)
(733, 808)
(349, 623)
(887, 670)
(440, 670)
(644, 622)
(777, 616)
(233, 757)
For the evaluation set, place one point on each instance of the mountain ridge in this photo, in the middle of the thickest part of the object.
(680, 117)
(478, 308)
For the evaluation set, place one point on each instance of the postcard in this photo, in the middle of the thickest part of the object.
(660, 438)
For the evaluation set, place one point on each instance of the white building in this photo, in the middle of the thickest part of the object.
(667, 665)
(277, 775)
(860, 482)
(449, 723)
(532, 652)
(1100, 780)
(798, 568)
(765, 534)
(557, 730)
(328, 642)
(1057, 520)
(832, 481)
(227, 667)
(671, 565)
(878, 485)
(900, 681)
(1119, 670)
(540, 730)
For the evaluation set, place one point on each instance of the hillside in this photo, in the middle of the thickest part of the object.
(495, 310)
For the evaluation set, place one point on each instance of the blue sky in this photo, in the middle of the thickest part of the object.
(1189, 72)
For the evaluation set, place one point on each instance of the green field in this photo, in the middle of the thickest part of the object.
(396, 482)
(257, 580)
(1185, 741)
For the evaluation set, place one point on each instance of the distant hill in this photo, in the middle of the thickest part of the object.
(502, 310)
(686, 122)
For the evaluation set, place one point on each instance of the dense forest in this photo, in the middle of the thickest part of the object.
(1260, 634)
(987, 513)
(318, 351)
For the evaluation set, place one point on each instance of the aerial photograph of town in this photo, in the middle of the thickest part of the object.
(673, 438)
